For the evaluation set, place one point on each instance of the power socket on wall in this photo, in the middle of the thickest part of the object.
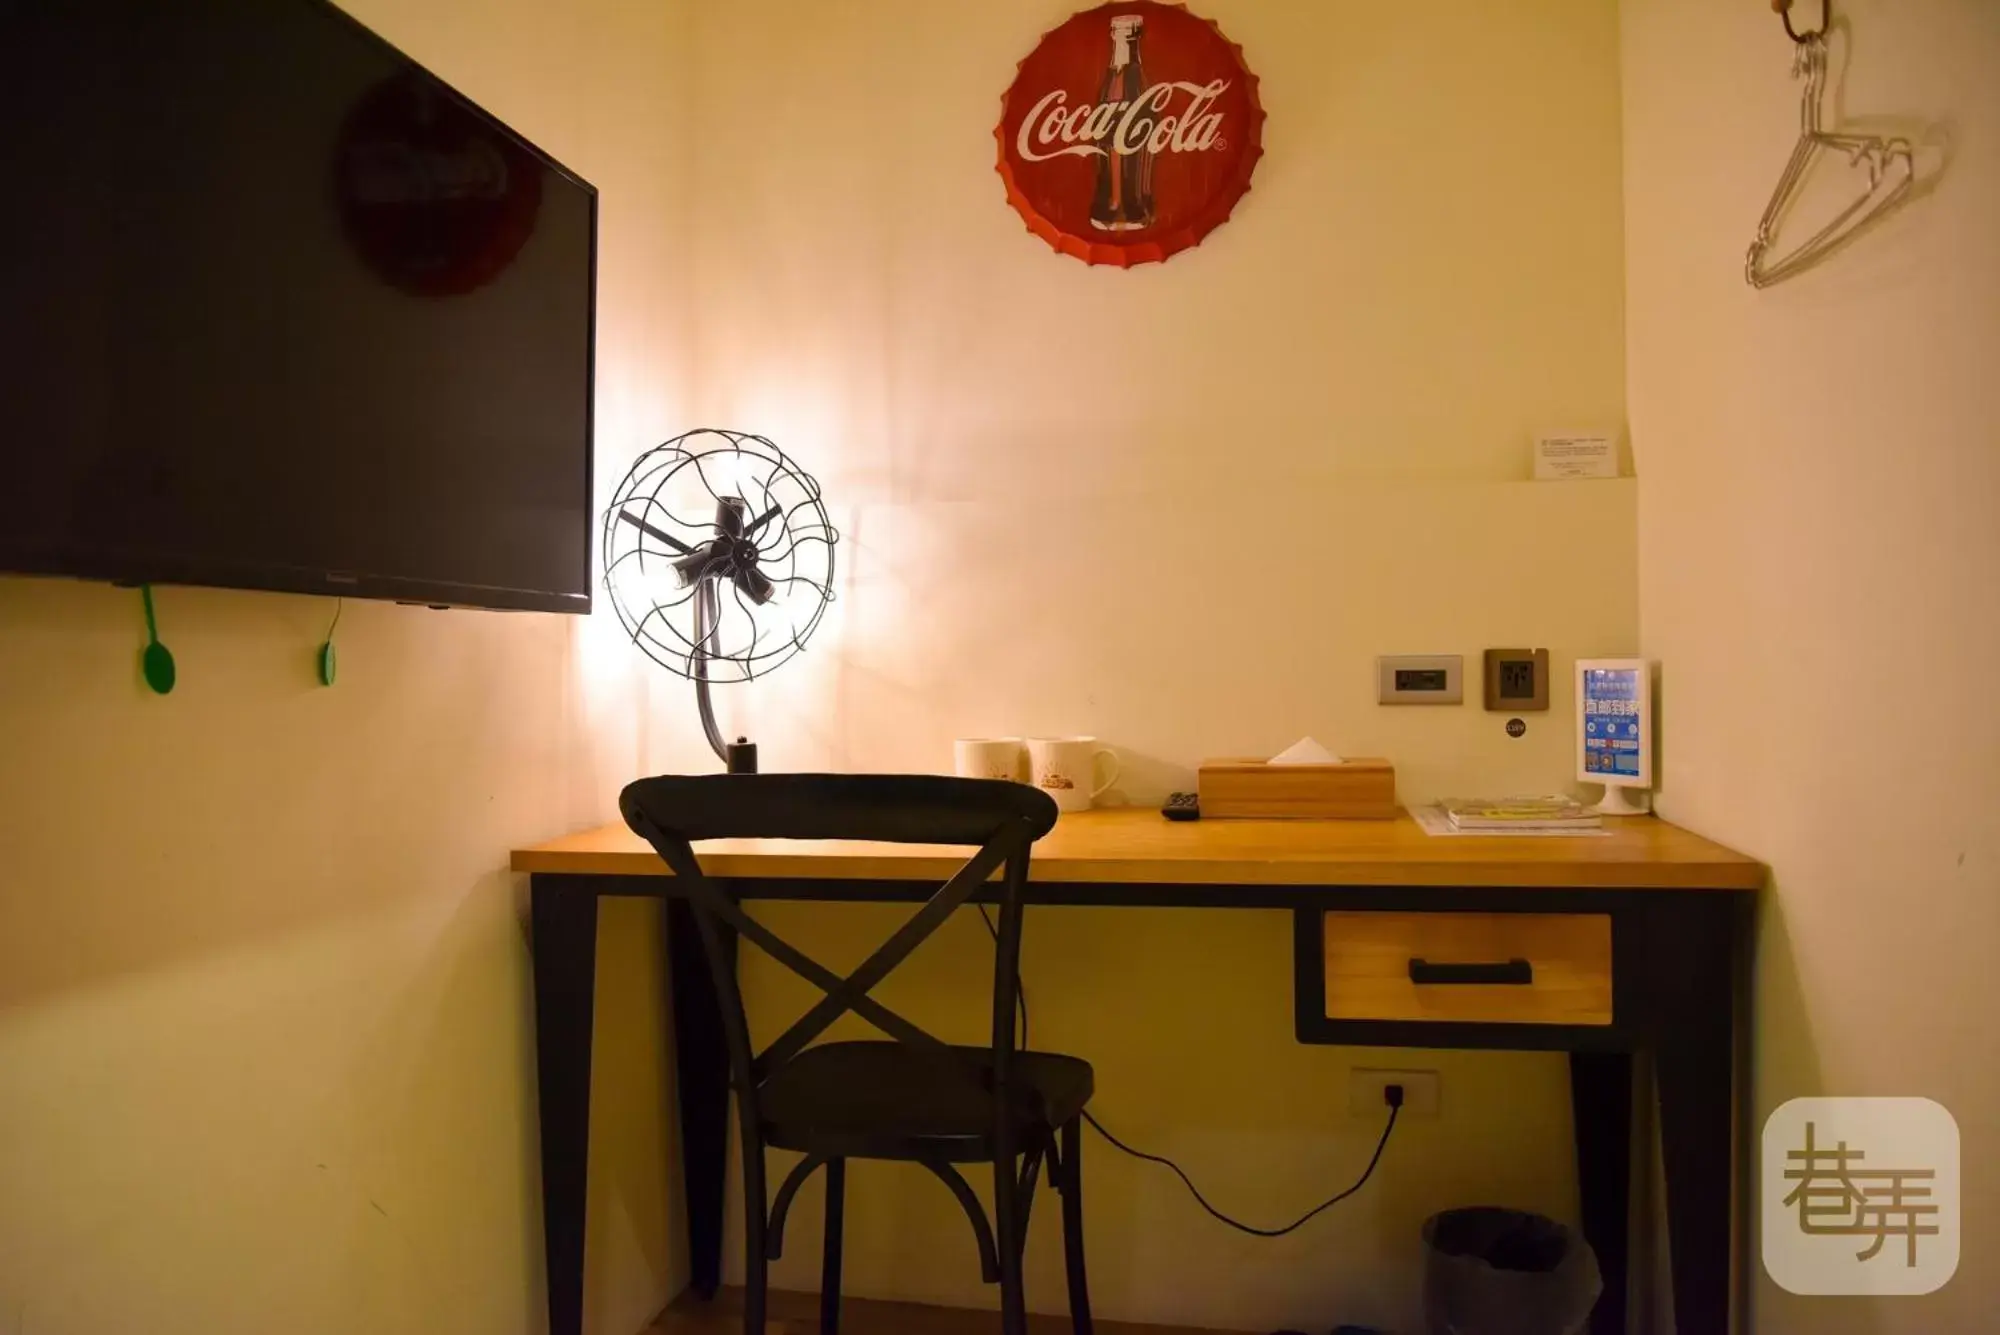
(1421, 1092)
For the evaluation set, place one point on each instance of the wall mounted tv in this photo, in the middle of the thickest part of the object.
(281, 310)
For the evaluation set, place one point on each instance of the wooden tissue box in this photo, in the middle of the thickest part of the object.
(1247, 789)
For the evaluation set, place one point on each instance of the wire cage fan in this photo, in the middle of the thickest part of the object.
(718, 557)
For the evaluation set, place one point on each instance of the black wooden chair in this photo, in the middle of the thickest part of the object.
(914, 1098)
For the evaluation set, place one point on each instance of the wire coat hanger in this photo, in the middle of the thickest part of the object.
(1784, 8)
(1884, 158)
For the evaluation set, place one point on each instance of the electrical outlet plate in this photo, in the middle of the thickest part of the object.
(1517, 680)
(1419, 679)
(1421, 1092)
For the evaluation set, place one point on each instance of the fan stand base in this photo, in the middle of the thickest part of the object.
(737, 757)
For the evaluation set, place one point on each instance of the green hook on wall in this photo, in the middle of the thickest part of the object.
(156, 664)
(328, 662)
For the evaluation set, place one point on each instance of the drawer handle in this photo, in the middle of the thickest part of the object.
(1515, 971)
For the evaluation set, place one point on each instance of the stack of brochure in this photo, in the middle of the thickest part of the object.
(1518, 813)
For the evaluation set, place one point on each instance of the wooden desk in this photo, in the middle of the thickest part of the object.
(1673, 908)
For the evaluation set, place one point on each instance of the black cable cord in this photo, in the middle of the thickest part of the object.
(1237, 1224)
(1395, 1110)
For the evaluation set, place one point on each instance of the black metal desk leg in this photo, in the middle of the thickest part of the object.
(564, 924)
(1695, 1061)
(1600, 1092)
(701, 1072)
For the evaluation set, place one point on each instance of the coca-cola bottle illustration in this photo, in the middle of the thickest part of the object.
(1123, 201)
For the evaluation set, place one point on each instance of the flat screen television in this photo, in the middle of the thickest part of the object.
(281, 310)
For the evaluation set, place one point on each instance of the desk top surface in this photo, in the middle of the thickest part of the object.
(1138, 846)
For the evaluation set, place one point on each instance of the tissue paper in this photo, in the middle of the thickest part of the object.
(1305, 751)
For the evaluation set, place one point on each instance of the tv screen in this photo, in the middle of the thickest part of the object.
(281, 310)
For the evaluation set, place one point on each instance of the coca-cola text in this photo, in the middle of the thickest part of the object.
(1133, 126)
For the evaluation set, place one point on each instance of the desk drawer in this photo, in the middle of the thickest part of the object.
(1492, 968)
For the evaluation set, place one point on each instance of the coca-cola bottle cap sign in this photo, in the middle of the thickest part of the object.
(1129, 133)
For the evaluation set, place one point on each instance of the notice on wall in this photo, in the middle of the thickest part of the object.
(1568, 456)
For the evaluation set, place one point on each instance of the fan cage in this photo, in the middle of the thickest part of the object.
(676, 487)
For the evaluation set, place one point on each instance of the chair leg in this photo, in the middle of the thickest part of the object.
(1009, 1243)
(756, 1262)
(1072, 1210)
(829, 1265)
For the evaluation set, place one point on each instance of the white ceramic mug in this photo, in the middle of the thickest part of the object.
(987, 758)
(1066, 769)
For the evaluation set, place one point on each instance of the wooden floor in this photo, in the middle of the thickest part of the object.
(798, 1314)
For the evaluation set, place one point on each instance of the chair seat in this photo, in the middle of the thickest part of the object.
(891, 1101)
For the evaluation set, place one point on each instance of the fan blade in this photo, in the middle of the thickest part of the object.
(762, 520)
(652, 532)
(755, 584)
(729, 515)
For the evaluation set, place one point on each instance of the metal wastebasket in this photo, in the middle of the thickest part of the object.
(1489, 1271)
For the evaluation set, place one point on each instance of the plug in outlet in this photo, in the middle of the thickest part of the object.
(1421, 1091)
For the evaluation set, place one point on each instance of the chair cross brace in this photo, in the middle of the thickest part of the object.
(851, 992)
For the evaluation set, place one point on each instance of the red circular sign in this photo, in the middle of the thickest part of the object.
(1129, 133)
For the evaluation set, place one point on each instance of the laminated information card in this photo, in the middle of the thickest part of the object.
(1559, 458)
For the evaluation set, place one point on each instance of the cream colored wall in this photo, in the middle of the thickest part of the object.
(1182, 507)
(265, 1026)
(1817, 553)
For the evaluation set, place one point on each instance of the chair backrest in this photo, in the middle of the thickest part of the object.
(1001, 820)
(892, 808)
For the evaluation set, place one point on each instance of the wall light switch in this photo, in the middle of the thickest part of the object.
(1420, 679)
